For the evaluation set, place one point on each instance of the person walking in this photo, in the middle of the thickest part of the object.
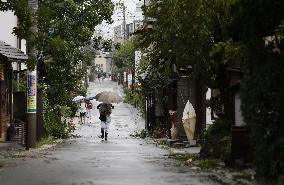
(82, 111)
(89, 107)
(99, 76)
(105, 110)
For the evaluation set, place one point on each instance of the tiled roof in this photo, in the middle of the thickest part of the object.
(11, 52)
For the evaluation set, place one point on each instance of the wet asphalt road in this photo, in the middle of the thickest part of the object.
(87, 160)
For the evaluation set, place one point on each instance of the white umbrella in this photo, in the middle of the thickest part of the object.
(78, 98)
(189, 120)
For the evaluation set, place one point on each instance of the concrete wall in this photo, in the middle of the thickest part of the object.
(104, 63)
(100, 63)
(7, 22)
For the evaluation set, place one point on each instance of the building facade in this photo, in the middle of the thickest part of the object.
(117, 36)
(103, 63)
(12, 56)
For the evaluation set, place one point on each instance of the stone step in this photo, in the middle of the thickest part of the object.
(178, 145)
(170, 142)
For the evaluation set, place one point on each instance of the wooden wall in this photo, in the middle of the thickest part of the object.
(5, 98)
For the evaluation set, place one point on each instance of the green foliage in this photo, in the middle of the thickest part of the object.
(180, 157)
(20, 85)
(135, 97)
(222, 56)
(124, 57)
(261, 87)
(263, 106)
(207, 164)
(46, 141)
(99, 43)
(189, 34)
(128, 95)
(56, 124)
(21, 9)
(280, 36)
(178, 24)
(256, 19)
(216, 141)
(212, 36)
(31, 63)
(280, 180)
(65, 29)
(140, 134)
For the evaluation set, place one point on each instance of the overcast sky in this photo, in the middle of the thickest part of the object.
(107, 30)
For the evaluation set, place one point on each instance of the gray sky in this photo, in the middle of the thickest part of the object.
(106, 29)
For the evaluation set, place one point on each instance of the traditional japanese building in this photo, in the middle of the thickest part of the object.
(8, 55)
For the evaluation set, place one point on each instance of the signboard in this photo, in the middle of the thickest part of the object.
(137, 58)
(125, 77)
(31, 99)
(129, 81)
(138, 55)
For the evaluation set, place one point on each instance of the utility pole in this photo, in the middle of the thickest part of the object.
(124, 22)
(32, 80)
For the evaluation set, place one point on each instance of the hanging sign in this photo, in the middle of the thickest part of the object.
(125, 77)
(137, 58)
(130, 81)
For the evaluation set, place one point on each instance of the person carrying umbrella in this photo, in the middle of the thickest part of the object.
(89, 106)
(82, 111)
(105, 110)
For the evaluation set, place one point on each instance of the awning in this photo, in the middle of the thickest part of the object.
(12, 53)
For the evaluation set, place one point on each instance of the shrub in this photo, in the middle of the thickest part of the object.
(280, 180)
(216, 141)
(140, 134)
(263, 109)
(56, 125)
(129, 95)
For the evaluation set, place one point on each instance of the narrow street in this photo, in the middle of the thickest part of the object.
(121, 160)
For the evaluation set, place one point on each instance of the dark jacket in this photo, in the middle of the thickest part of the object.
(103, 115)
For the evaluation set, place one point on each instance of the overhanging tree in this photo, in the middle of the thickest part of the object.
(65, 28)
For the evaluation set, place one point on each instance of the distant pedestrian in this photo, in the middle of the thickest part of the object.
(99, 77)
(82, 111)
(105, 110)
(103, 77)
(89, 107)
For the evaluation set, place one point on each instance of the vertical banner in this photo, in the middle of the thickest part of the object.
(31, 99)
(130, 81)
(137, 58)
(137, 62)
(124, 77)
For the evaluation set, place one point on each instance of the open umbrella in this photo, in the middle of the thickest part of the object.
(108, 97)
(89, 98)
(78, 98)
